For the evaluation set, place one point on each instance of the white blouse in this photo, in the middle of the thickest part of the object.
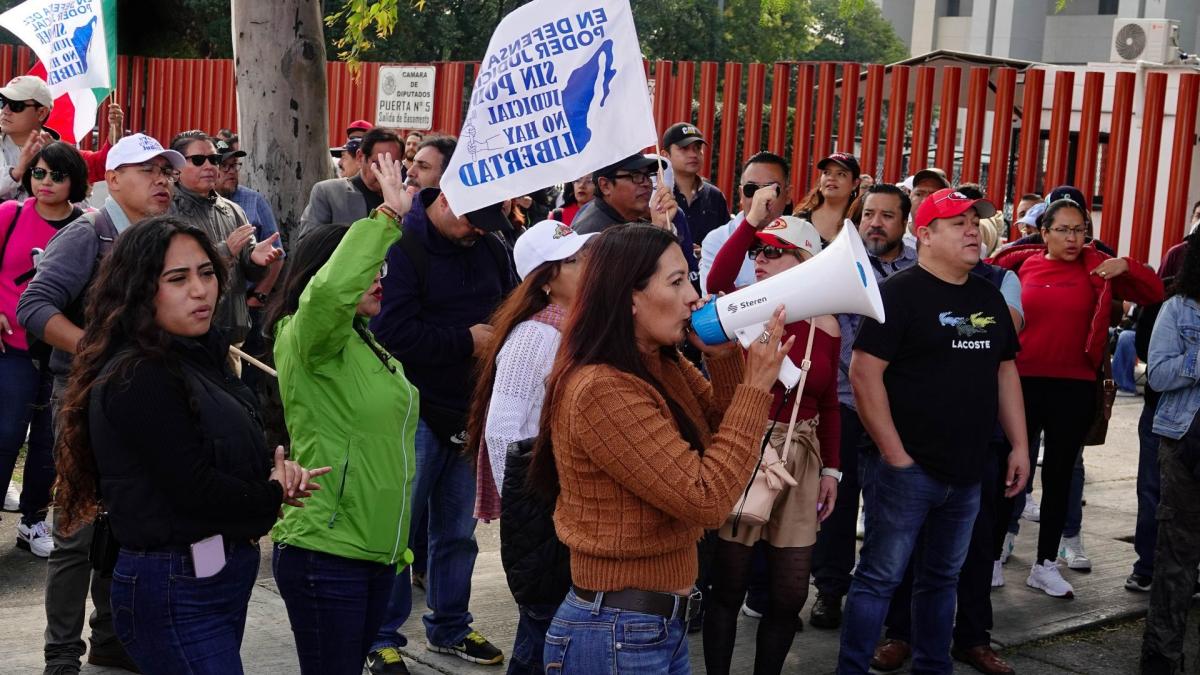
(515, 411)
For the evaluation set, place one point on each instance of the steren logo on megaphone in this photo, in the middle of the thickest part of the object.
(836, 281)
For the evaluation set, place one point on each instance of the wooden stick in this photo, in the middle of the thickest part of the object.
(253, 361)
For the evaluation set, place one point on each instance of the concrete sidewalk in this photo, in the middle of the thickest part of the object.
(1022, 615)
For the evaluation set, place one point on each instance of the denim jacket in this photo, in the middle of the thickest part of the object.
(1174, 366)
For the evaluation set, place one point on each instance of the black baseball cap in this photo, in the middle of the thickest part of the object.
(1067, 192)
(225, 150)
(683, 135)
(631, 163)
(489, 218)
(931, 174)
(843, 159)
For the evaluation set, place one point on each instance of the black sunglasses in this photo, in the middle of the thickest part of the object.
(57, 176)
(769, 252)
(199, 160)
(17, 106)
(748, 189)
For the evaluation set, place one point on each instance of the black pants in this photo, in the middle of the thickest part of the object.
(1063, 409)
(833, 555)
(973, 618)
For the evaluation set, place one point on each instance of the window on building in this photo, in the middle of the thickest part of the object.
(1108, 6)
(953, 8)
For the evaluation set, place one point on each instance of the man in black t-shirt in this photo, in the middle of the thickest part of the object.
(928, 384)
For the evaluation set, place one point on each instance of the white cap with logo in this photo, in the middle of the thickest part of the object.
(138, 148)
(28, 88)
(545, 242)
(791, 232)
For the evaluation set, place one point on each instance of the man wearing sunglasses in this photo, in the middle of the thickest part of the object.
(763, 171)
(24, 106)
(197, 202)
(139, 175)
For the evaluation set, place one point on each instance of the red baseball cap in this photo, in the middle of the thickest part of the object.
(359, 125)
(947, 203)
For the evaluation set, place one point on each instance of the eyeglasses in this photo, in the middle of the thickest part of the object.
(748, 189)
(154, 172)
(586, 180)
(1069, 232)
(17, 106)
(638, 178)
(232, 166)
(769, 252)
(57, 176)
(199, 160)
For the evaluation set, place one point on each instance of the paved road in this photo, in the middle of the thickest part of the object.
(1029, 626)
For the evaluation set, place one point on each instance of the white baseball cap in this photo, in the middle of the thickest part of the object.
(137, 148)
(545, 242)
(791, 232)
(28, 88)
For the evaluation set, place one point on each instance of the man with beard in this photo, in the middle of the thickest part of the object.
(411, 142)
(884, 218)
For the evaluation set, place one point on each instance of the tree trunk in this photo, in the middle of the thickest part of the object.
(283, 116)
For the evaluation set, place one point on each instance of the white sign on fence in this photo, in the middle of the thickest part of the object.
(405, 97)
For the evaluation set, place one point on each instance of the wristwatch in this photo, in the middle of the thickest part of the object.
(837, 475)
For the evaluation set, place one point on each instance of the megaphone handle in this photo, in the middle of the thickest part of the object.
(804, 365)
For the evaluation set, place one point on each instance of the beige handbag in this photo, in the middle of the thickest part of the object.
(754, 508)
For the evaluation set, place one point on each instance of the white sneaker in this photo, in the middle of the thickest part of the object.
(1010, 540)
(1070, 550)
(997, 574)
(35, 538)
(1032, 512)
(750, 612)
(1047, 578)
(12, 499)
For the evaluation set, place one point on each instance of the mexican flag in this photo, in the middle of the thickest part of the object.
(76, 46)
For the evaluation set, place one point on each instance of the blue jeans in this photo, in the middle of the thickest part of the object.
(25, 407)
(530, 642)
(171, 622)
(587, 639)
(1145, 537)
(335, 606)
(899, 503)
(1124, 359)
(445, 488)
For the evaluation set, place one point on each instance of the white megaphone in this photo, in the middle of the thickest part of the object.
(838, 280)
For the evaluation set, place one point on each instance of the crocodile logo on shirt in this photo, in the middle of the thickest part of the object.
(966, 327)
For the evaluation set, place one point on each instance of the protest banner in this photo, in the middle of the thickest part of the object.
(560, 93)
(75, 42)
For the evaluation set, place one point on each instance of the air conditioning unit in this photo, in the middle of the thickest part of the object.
(1151, 40)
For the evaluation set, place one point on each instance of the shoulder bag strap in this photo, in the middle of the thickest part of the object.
(11, 228)
(804, 366)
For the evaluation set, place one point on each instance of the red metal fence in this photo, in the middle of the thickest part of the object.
(803, 111)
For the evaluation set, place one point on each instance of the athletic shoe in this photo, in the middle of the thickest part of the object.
(386, 661)
(1139, 583)
(475, 648)
(1032, 512)
(750, 612)
(1046, 577)
(1071, 551)
(1010, 540)
(35, 538)
(12, 498)
(997, 574)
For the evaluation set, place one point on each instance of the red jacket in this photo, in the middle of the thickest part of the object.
(1140, 284)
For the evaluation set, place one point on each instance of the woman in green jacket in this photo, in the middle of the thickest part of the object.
(347, 404)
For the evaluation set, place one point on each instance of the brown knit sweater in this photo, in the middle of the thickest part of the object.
(635, 497)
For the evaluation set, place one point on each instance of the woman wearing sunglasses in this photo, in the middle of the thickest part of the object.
(776, 246)
(57, 178)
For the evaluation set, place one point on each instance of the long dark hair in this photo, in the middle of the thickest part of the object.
(1187, 281)
(63, 157)
(119, 323)
(600, 330)
(525, 301)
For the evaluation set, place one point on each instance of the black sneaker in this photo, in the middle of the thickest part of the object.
(826, 612)
(475, 648)
(386, 661)
(1138, 582)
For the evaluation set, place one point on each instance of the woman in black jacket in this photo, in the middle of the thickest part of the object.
(156, 428)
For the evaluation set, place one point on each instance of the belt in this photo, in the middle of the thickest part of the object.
(667, 605)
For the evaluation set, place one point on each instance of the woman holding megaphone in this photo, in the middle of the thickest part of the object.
(642, 452)
(813, 418)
